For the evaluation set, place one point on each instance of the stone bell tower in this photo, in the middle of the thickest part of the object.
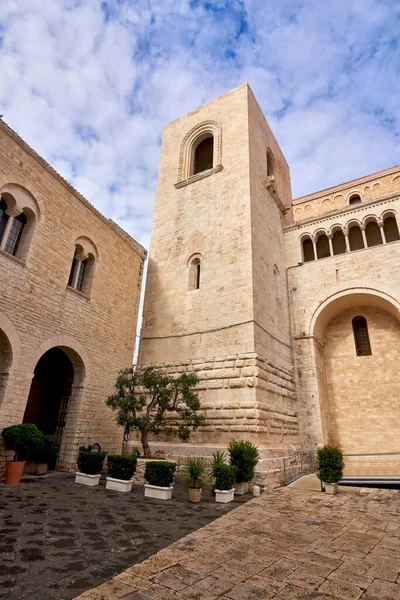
(216, 297)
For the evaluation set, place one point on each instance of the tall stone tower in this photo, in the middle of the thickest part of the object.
(216, 296)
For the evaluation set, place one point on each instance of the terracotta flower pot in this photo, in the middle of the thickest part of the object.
(14, 471)
(194, 494)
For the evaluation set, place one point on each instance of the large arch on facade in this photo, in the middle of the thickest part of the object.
(72, 358)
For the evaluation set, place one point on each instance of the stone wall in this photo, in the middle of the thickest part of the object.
(38, 310)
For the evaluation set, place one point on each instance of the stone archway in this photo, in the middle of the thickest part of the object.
(359, 394)
(55, 398)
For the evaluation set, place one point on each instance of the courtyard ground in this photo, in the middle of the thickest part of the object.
(290, 543)
(58, 538)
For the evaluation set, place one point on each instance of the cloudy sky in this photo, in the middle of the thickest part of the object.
(90, 85)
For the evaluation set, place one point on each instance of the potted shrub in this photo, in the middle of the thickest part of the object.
(159, 475)
(120, 472)
(21, 438)
(218, 459)
(47, 451)
(90, 465)
(330, 467)
(194, 474)
(244, 456)
(225, 479)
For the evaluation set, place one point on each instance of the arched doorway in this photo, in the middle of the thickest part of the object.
(50, 393)
(5, 362)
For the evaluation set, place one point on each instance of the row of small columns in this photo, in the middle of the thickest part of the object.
(346, 238)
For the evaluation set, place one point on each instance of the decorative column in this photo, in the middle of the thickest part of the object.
(314, 243)
(329, 236)
(364, 236)
(12, 213)
(380, 223)
(346, 239)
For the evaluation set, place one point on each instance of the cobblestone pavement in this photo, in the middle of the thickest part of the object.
(58, 538)
(287, 544)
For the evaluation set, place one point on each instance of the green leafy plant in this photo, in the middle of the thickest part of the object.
(159, 472)
(91, 463)
(225, 477)
(121, 467)
(22, 438)
(194, 474)
(47, 450)
(244, 456)
(155, 403)
(218, 460)
(330, 464)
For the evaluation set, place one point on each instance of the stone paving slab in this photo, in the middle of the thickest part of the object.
(289, 544)
(58, 538)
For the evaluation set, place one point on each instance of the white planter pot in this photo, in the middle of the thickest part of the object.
(119, 485)
(224, 495)
(331, 488)
(155, 491)
(86, 479)
(241, 488)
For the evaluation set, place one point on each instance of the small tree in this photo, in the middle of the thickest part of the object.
(152, 402)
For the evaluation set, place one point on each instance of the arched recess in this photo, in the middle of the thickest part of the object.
(358, 391)
(60, 375)
(6, 359)
(199, 133)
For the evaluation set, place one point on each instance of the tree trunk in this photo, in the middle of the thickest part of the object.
(145, 444)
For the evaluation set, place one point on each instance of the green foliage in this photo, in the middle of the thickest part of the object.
(159, 472)
(244, 456)
(91, 463)
(154, 403)
(121, 467)
(225, 477)
(22, 438)
(194, 474)
(48, 450)
(330, 464)
(218, 460)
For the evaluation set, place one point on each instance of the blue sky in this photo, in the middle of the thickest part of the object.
(90, 85)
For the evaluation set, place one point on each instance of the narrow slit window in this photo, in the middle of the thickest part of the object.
(361, 337)
(194, 274)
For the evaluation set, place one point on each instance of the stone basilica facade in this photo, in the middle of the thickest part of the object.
(287, 310)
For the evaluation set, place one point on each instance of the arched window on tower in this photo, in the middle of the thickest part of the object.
(270, 165)
(361, 337)
(194, 273)
(354, 199)
(203, 155)
(3, 217)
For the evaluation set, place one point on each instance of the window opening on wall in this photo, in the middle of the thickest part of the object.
(203, 156)
(15, 234)
(373, 234)
(323, 250)
(338, 242)
(361, 337)
(355, 199)
(355, 238)
(81, 274)
(391, 230)
(270, 165)
(82, 271)
(3, 217)
(194, 274)
(308, 250)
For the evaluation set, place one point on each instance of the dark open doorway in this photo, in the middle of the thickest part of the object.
(50, 391)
